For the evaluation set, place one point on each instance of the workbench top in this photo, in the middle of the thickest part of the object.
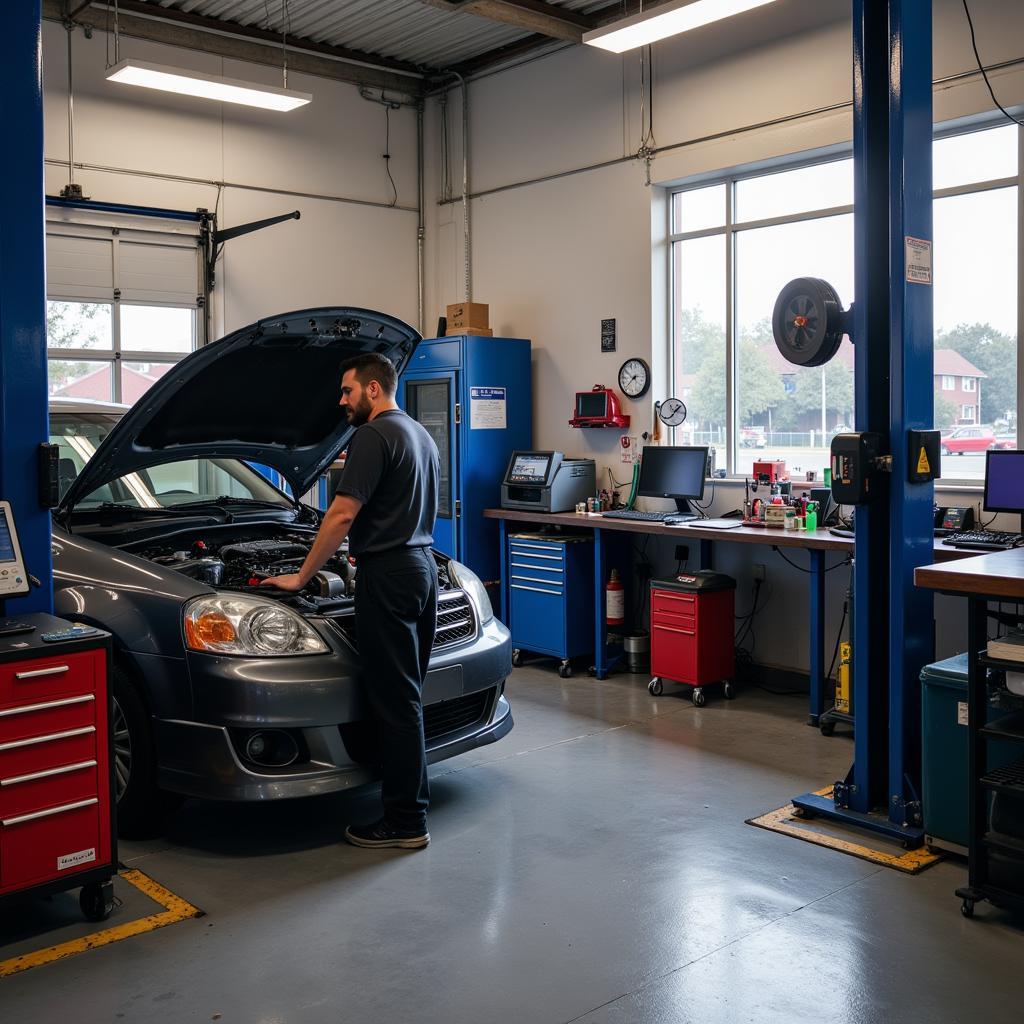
(992, 574)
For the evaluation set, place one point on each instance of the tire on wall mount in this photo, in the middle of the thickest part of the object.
(808, 321)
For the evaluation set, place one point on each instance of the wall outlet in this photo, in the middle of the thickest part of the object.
(759, 571)
(682, 552)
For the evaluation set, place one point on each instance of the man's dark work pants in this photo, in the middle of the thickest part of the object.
(396, 616)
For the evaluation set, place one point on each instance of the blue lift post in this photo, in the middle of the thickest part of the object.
(893, 630)
(23, 382)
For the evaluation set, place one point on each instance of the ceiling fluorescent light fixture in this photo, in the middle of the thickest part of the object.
(665, 20)
(212, 87)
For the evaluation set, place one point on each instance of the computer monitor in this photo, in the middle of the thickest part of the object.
(1004, 481)
(676, 472)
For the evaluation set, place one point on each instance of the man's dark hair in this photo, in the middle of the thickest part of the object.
(373, 366)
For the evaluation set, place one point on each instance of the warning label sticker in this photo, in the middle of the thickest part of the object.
(72, 860)
(923, 465)
(919, 260)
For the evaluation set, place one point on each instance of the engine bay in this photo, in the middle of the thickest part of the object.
(242, 560)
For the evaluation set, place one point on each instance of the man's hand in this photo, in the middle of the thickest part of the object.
(291, 582)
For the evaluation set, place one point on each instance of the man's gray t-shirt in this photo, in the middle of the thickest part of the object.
(392, 467)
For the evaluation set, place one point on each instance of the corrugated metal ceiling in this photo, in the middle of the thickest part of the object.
(407, 30)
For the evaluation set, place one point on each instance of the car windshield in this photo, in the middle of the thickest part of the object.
(79, 434)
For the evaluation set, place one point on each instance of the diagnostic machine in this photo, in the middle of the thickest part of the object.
(547, 482)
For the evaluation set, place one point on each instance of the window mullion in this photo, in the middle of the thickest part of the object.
(730, 330)
(1020, 289)
(116, 318)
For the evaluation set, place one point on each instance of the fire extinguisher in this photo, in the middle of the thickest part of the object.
(615, 600)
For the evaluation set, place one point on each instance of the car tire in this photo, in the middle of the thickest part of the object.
(944, 450)
(141, 806)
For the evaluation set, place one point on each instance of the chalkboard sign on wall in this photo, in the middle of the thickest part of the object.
(608, 335)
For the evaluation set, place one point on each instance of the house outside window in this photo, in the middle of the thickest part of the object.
(967, 413)
(948, 383)
(969, 384)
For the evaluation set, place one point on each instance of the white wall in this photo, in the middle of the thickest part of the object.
(338, 253)
(554, 258)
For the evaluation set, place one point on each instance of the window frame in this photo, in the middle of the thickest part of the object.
(113, 232)
(731, 228)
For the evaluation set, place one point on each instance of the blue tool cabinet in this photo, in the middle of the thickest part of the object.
(474, 397)
(551, 596)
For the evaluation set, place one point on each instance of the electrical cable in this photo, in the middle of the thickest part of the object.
(800, 568)
(981, 67)
(387, 153)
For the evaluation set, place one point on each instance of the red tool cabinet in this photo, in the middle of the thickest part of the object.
(56, 783)
(692, 631)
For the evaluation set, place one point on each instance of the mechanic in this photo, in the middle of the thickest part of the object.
(386, 505)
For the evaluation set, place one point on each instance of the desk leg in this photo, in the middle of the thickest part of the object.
(503, 584)
(600, 649)
(816, 622)
(706, 554)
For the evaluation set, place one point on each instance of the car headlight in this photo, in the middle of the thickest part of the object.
(464, 577)
(253, 626)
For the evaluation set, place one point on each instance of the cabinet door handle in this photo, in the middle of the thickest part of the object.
(674, 597)
(55, 670)
(63, 770)
(33, 740)
(49, 812)
(27, 709)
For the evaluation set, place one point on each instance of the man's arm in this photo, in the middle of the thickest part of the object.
(334, 529)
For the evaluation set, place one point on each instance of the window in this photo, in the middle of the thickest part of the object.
(122, 307)
(735, 243)
(967, 413)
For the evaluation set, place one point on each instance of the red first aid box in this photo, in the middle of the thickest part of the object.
(693, 629)
(56, 783)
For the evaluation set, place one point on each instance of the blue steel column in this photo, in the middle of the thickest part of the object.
(23, 390)
(911, 609)
(816, 620)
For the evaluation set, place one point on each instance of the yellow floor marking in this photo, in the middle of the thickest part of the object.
(175, 909)
(785, 822)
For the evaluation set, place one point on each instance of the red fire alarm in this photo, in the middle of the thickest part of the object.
(598, 408)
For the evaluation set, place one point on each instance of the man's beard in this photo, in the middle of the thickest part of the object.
(359, 414)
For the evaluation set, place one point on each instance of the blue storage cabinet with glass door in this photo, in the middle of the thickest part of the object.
(551, 596)
(474, 396)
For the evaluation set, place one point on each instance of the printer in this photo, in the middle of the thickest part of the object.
(547, 482)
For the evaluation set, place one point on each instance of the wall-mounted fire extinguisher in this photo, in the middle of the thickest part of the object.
(615, 600)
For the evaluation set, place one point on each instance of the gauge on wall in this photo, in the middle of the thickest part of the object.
(634, 378)
(672, 412)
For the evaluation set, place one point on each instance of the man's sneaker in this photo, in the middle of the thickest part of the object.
(379, 835)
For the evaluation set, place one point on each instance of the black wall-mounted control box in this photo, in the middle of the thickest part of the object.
(49, 475)
(854, 469)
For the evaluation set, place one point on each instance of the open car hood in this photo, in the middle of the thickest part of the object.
(267, 393)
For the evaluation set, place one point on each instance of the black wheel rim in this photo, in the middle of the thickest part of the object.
(122, 751)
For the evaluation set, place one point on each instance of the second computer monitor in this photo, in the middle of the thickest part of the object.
(676, 472)
(1004, 481)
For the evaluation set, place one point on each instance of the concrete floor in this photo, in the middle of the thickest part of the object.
(593, 866)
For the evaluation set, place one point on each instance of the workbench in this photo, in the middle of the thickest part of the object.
(998, 576)
(817, 544)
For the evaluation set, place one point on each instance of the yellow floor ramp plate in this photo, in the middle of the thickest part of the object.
(826, 833)
(175, 909)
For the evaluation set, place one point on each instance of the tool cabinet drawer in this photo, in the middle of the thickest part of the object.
(29, 682)
(667, 601)
(674, 652)
(48, 787)
(42, 845)
(680, 620)
(538, 613)
(48, 750)
(540, 554)
(47, 716)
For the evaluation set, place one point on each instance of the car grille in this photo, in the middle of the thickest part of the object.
(455, 621)
(453, 715)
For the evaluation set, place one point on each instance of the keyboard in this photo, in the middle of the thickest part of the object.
(649, 517)
(984, 540)
(11, 627)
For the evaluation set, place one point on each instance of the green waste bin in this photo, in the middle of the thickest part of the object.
(944, 750)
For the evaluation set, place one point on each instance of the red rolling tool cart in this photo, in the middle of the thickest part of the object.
(692, 630)
(56, 783)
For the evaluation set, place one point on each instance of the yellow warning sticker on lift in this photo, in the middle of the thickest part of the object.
(923, 465)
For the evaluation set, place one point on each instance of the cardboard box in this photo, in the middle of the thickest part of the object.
(463, 315)
(475, 332)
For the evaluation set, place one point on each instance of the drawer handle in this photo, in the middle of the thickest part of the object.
(63, 770)
(33, 740)
(49, 812)
(29, 708)
(536, 554)
(537, 568)
(535, 547)
(674, 629)
(517, 586)
(55, 670)
(533, 579)
(674, 597)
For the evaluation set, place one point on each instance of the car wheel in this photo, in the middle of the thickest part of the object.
(944, 450)
(140, 804)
